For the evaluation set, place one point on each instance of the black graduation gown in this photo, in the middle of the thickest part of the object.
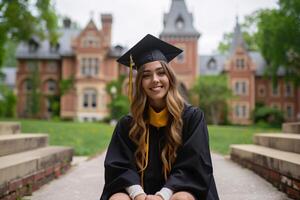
(192, 170)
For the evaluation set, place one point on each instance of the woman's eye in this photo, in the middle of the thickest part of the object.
(146, 75)
(161, 73)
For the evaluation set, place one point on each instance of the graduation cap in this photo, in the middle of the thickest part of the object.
(147, 50)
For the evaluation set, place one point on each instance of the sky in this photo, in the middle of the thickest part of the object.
(133, 19)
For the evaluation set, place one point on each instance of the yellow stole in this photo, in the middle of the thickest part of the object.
(159, 119)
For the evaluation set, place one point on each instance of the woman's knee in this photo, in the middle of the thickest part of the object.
(120, 196)
(182, 196)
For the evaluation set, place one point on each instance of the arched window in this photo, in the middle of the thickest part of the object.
(179, 23)
(212, 64)
(27, 86)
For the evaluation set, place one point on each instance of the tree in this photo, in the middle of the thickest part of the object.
(119, 105)
(21, 19)
(248, 30)
(213, 94)
(278, 38)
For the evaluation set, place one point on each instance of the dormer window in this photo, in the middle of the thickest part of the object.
(54, 47)
(179, 23)
(33, 46)
(212, 64)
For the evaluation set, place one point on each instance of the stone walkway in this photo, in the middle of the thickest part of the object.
(85, 182)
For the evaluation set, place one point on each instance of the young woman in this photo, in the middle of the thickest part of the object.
(160, 151)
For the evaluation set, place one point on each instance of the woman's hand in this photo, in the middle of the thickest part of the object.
(140, 197)
(153, 197)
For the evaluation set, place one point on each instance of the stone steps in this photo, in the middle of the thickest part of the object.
(285, 142)
(16, 143)
(7, 128)
(27, 162)
(291, 127)
(287, 163)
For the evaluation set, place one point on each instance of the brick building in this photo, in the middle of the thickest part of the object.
(245, 71)
(84, 56)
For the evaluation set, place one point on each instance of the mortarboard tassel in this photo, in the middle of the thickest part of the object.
(130, 80)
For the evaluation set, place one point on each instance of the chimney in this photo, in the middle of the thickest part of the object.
(106, 20)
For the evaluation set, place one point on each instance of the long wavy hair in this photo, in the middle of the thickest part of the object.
(138, 132)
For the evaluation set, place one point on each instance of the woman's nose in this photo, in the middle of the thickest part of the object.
(155, 78)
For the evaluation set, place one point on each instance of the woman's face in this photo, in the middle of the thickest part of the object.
(155, 82)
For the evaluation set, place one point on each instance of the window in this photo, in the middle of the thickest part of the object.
(241, 111)
(179, 23)
(212, 64)
(51, 86)
(89, 66)
(240, 63)
(289, 111)
(48, 106)
(275, 90)
(89, 98)
(288, 90)
(28, 85)
(244, 111)
(240, 88)
(237, 111)
(261, 90)
(32, 65)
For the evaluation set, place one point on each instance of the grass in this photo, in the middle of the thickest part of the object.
(92, 138)
(222, 136)
(85, 138)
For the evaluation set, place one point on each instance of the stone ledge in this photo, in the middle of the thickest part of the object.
(22, 164)
(7, 128)
(286, 163)
(10, 144)
(292, 127)
(286, 184)
(285, 142)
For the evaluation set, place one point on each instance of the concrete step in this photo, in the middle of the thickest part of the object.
(10, 144)
(29, 162)
(7, 128)
(286, 163)
(285, 142)
(291, 127)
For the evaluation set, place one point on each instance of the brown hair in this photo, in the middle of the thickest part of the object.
(138, 132)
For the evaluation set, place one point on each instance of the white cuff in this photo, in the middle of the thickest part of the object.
(134, 190)
(165, 193)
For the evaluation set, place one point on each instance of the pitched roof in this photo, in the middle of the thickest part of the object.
(179, 22)
(212, 64)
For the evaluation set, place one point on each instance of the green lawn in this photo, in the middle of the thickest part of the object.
(222, 136)
(92, 138)
(85, 138)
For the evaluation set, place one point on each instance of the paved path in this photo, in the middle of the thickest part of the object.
(85, 182)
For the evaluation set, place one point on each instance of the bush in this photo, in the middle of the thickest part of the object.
(268, 115)
(7, 102)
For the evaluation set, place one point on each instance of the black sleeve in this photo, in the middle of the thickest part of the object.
(192, 170)
(120, 168)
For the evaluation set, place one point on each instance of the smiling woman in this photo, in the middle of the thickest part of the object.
(161, 150)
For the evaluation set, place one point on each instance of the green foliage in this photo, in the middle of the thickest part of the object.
(66, 85)
(213, 93)
(55, 106)
(278, 38)
(34, 96)
(7, 102)
(119, 105)
(263, 114)
(10, 51)
(21, 19)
